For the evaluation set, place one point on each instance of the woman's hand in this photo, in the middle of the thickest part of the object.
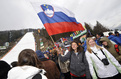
(59, 51)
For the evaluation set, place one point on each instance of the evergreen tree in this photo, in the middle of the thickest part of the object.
(99, 28)
(88, 27)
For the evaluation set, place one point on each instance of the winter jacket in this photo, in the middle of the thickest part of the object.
(77, 66)
(112, 37)
(52, 71)
(111, 48)
(25, 72)
(85, 46)
(119, 35)
(4, 68)
(98, 41)
(116, 39)
(102, 71)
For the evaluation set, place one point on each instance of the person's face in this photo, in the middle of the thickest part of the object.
(91, 43)
(117, 34)
(112, 34)
(74, 46)
(97, 36)
(104, 43)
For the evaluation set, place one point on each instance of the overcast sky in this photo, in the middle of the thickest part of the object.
(19, 14)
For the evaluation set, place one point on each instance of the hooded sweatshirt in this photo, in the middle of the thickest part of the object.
(25, 72)
(111, 48)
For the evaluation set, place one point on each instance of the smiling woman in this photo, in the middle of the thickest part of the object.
(101, 62)
(79, 68)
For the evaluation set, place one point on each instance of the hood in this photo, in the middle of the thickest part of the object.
(107, 40)
(23, 72)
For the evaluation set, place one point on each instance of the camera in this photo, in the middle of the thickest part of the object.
(105, 61)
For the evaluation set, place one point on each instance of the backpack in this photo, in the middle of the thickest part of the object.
(117, 48)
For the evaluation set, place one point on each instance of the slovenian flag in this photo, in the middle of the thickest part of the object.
(56, 19)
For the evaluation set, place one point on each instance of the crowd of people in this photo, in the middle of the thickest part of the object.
(97, 57)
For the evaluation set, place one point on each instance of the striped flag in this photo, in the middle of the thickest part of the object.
(56, 19)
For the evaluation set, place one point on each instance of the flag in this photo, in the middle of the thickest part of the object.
(64, 39)
(56, 19)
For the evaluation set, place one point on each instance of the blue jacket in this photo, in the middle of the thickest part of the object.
(98, 41)
(112, 38)
(85, 46)
(116, 39)
(119, 36)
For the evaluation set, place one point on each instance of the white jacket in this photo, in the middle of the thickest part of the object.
(25, 72)
(101, 70)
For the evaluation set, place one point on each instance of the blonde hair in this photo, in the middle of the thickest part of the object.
(88, 46)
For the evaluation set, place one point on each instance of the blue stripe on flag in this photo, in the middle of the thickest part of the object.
(58, 17)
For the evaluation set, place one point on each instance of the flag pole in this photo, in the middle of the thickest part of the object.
(52, 40)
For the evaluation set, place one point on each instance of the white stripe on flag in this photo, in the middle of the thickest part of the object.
(36, 6)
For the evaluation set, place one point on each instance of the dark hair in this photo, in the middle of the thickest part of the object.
(110, 33)
(79, 48)
(116, 32)
(100, 34)
(29, 57)
(14, 63)
(55, 52)
(4, 68)
(88, 35)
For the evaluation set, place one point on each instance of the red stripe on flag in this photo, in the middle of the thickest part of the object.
(62, 27)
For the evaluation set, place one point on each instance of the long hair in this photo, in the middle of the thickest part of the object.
(29, 57)
(88, 46)
(79, 48)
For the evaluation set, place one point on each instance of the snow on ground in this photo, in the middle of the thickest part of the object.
(27, 42)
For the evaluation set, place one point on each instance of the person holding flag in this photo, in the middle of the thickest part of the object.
(79, 68)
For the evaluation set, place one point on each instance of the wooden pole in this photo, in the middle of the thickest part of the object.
(52, 40)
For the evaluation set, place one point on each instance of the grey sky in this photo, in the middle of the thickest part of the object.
(19, 14)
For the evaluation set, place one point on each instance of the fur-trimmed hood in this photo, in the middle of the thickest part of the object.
(107, 40)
